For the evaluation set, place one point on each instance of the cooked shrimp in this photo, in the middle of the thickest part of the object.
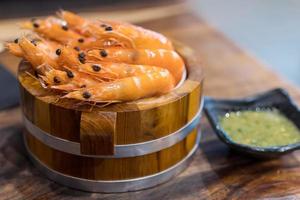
(126, 89)
(169, 60)
(54, 29)
(37, 53)
(51, 76)
(116, 38)
(112, 71)
(99, 61)
(70, 57)
(74, 21)
(93, 43)
(90, 29)
(58, 30)
(122, 33)
(66, 80)
(132, 36)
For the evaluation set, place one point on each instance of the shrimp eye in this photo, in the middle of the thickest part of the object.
(16, 41)
(82, 60)
(77, 48)
(36, 74)
(108, 28)
(36, 25)
(82, 86)
(103, 53)
(70, 74)
(33, 42)
(81, 57)
(86, 95)
(56, 79)
(58, 52)
(81, 40)
(96, 68)
(65, 27)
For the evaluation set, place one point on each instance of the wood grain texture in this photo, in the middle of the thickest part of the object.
(111, 168)
(216, 172)
(95, 139)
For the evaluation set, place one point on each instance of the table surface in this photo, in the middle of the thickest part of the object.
(216, 172)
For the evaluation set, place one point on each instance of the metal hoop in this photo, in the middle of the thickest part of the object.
(115, 185)
(121, 151)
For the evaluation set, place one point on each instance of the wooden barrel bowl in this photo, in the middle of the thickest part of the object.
(113, 148)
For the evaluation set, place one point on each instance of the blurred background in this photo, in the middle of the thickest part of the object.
(269, 29)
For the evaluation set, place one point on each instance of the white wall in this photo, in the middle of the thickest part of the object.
(269, 29)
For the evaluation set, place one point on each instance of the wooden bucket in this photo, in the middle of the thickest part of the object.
(116, 148)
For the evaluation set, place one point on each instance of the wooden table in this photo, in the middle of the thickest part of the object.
(216, 172)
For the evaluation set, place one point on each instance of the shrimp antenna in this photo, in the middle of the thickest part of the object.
(82, 103)
(92, 106)
(31, 75)
(56, 100)
(104, 104)
(59, 12)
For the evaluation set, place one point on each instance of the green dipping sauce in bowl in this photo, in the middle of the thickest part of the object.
(260, 128)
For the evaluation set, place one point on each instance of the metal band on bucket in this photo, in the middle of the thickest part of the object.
(115, 185)
(121, 151)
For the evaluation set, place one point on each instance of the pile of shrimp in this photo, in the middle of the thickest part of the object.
(98, 61)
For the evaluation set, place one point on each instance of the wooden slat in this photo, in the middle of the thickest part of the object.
(92, 135)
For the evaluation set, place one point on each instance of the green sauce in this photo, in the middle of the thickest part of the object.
(262, 128)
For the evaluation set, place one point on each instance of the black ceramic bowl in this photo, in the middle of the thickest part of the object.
(277, 98)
